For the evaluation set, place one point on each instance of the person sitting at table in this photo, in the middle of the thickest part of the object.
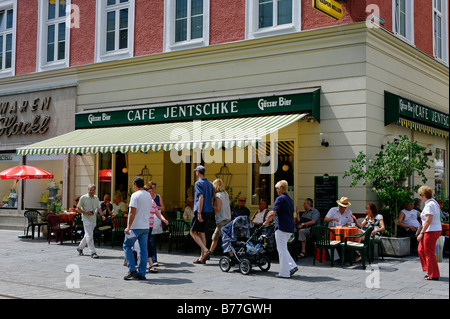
(106, 207)
(260, 215)
(373, 219)
(241, 210)
(408, 223)
(341, 215)
(444, 215)
(189, 205)
(118, 206)
(74, 207)
(309, 218)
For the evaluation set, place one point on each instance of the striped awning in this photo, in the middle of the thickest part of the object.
(422, 128)
(233, 132)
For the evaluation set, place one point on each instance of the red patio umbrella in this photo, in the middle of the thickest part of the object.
(25, 172)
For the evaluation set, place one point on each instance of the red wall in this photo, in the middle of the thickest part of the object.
(227, 24)
(26, 37)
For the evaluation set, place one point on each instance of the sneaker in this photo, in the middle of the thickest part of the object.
(80, 252)
(294, 270)
(131, 275)
(140, 277)
(95, 256)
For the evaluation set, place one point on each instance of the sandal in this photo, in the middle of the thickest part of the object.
(302, 255)
(199, 261)
(207, 255)
(430, 278)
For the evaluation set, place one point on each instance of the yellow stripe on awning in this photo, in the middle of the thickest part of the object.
(228, 133)
(422, 128)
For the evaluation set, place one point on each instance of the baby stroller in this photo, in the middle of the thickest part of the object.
(247, 249)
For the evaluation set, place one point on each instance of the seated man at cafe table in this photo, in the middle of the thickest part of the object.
(119, 207)
(341, 215)
(106, 207)
(260, 215)
(309, 218)
(408, 223)
(241, 210)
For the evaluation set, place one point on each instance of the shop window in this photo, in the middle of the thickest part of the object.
(115, 29)
(187, 24)
(403, 17)
(272, 17)
(7, 37)
(440, 30)
(121, 176)
(53, 47)
(275, 164)
(104, 175)
(440, 173)
(8, 188)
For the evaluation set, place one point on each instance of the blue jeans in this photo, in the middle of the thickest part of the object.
(152, 248)
(142, 237)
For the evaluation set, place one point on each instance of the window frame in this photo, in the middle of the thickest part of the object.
(101, 55)
(252, 30)
(409, 16)
(43, 24)
(443, 13)
(7, 5)
(169, 28)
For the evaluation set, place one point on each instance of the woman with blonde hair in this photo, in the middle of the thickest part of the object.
(430, 232)
(222, 212)
(283, 212)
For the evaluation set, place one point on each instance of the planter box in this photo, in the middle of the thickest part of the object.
(396, 247)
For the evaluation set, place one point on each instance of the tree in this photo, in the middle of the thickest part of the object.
(389, 172)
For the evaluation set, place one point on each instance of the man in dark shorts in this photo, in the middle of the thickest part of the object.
(202, 212)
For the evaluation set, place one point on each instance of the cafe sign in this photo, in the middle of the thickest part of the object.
(307, 100)
(331, 8)
(404, 111)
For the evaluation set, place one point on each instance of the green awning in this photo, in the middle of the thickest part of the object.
(228, 133)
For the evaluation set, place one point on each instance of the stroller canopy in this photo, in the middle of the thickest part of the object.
(229, 233)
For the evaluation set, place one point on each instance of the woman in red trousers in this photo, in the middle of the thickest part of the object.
(430, 232)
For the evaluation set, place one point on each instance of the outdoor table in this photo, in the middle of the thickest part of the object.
(345, 231)
(444, 229)
(67, 217)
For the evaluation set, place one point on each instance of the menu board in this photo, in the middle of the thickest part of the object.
(325, 193)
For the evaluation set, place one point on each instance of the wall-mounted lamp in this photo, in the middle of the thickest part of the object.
(324, 139)
(430, 150)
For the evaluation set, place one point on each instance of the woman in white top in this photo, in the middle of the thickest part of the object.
(430, 232)
(221, 207)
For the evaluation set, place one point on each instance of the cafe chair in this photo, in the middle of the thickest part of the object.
(118, 228)
(78, 228)
(59, 229)
(101, 230)
(178, 231)
(363, 247)
(322, 241)
(34, 220)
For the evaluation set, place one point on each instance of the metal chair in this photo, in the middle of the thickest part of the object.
(178, 231)
(34, 220)
(55, 227)
(118, 228)
(364, 248)
(78, 228)
(322, 241)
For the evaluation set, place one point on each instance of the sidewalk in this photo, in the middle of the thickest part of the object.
(35, 269)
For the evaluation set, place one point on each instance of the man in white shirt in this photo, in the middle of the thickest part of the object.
(87, 205)
(340, 215)
(138, 226)
(119, 206)
(260, 216)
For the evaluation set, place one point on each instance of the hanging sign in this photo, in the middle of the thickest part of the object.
(331, 8)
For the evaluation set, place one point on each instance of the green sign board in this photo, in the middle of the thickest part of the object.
(396, 107)
(307, 100)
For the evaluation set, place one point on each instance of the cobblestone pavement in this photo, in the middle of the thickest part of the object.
(34, 269)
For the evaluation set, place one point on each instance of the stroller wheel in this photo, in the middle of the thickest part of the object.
(245, 266)
(225, 264)
(264, 263)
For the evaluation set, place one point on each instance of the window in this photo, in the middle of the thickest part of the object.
(54, 34)
(115, 30)
(440, 28)
(403, 17)
(7, 37)
(268, 169)
(187, 24)
(440, 173)
(272, 17)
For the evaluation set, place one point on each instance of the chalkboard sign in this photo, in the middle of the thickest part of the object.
(325, 193)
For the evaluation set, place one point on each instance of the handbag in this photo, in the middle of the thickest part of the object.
(439, 250)
(157, 226)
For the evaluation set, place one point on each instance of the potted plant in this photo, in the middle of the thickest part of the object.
(389, 175)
